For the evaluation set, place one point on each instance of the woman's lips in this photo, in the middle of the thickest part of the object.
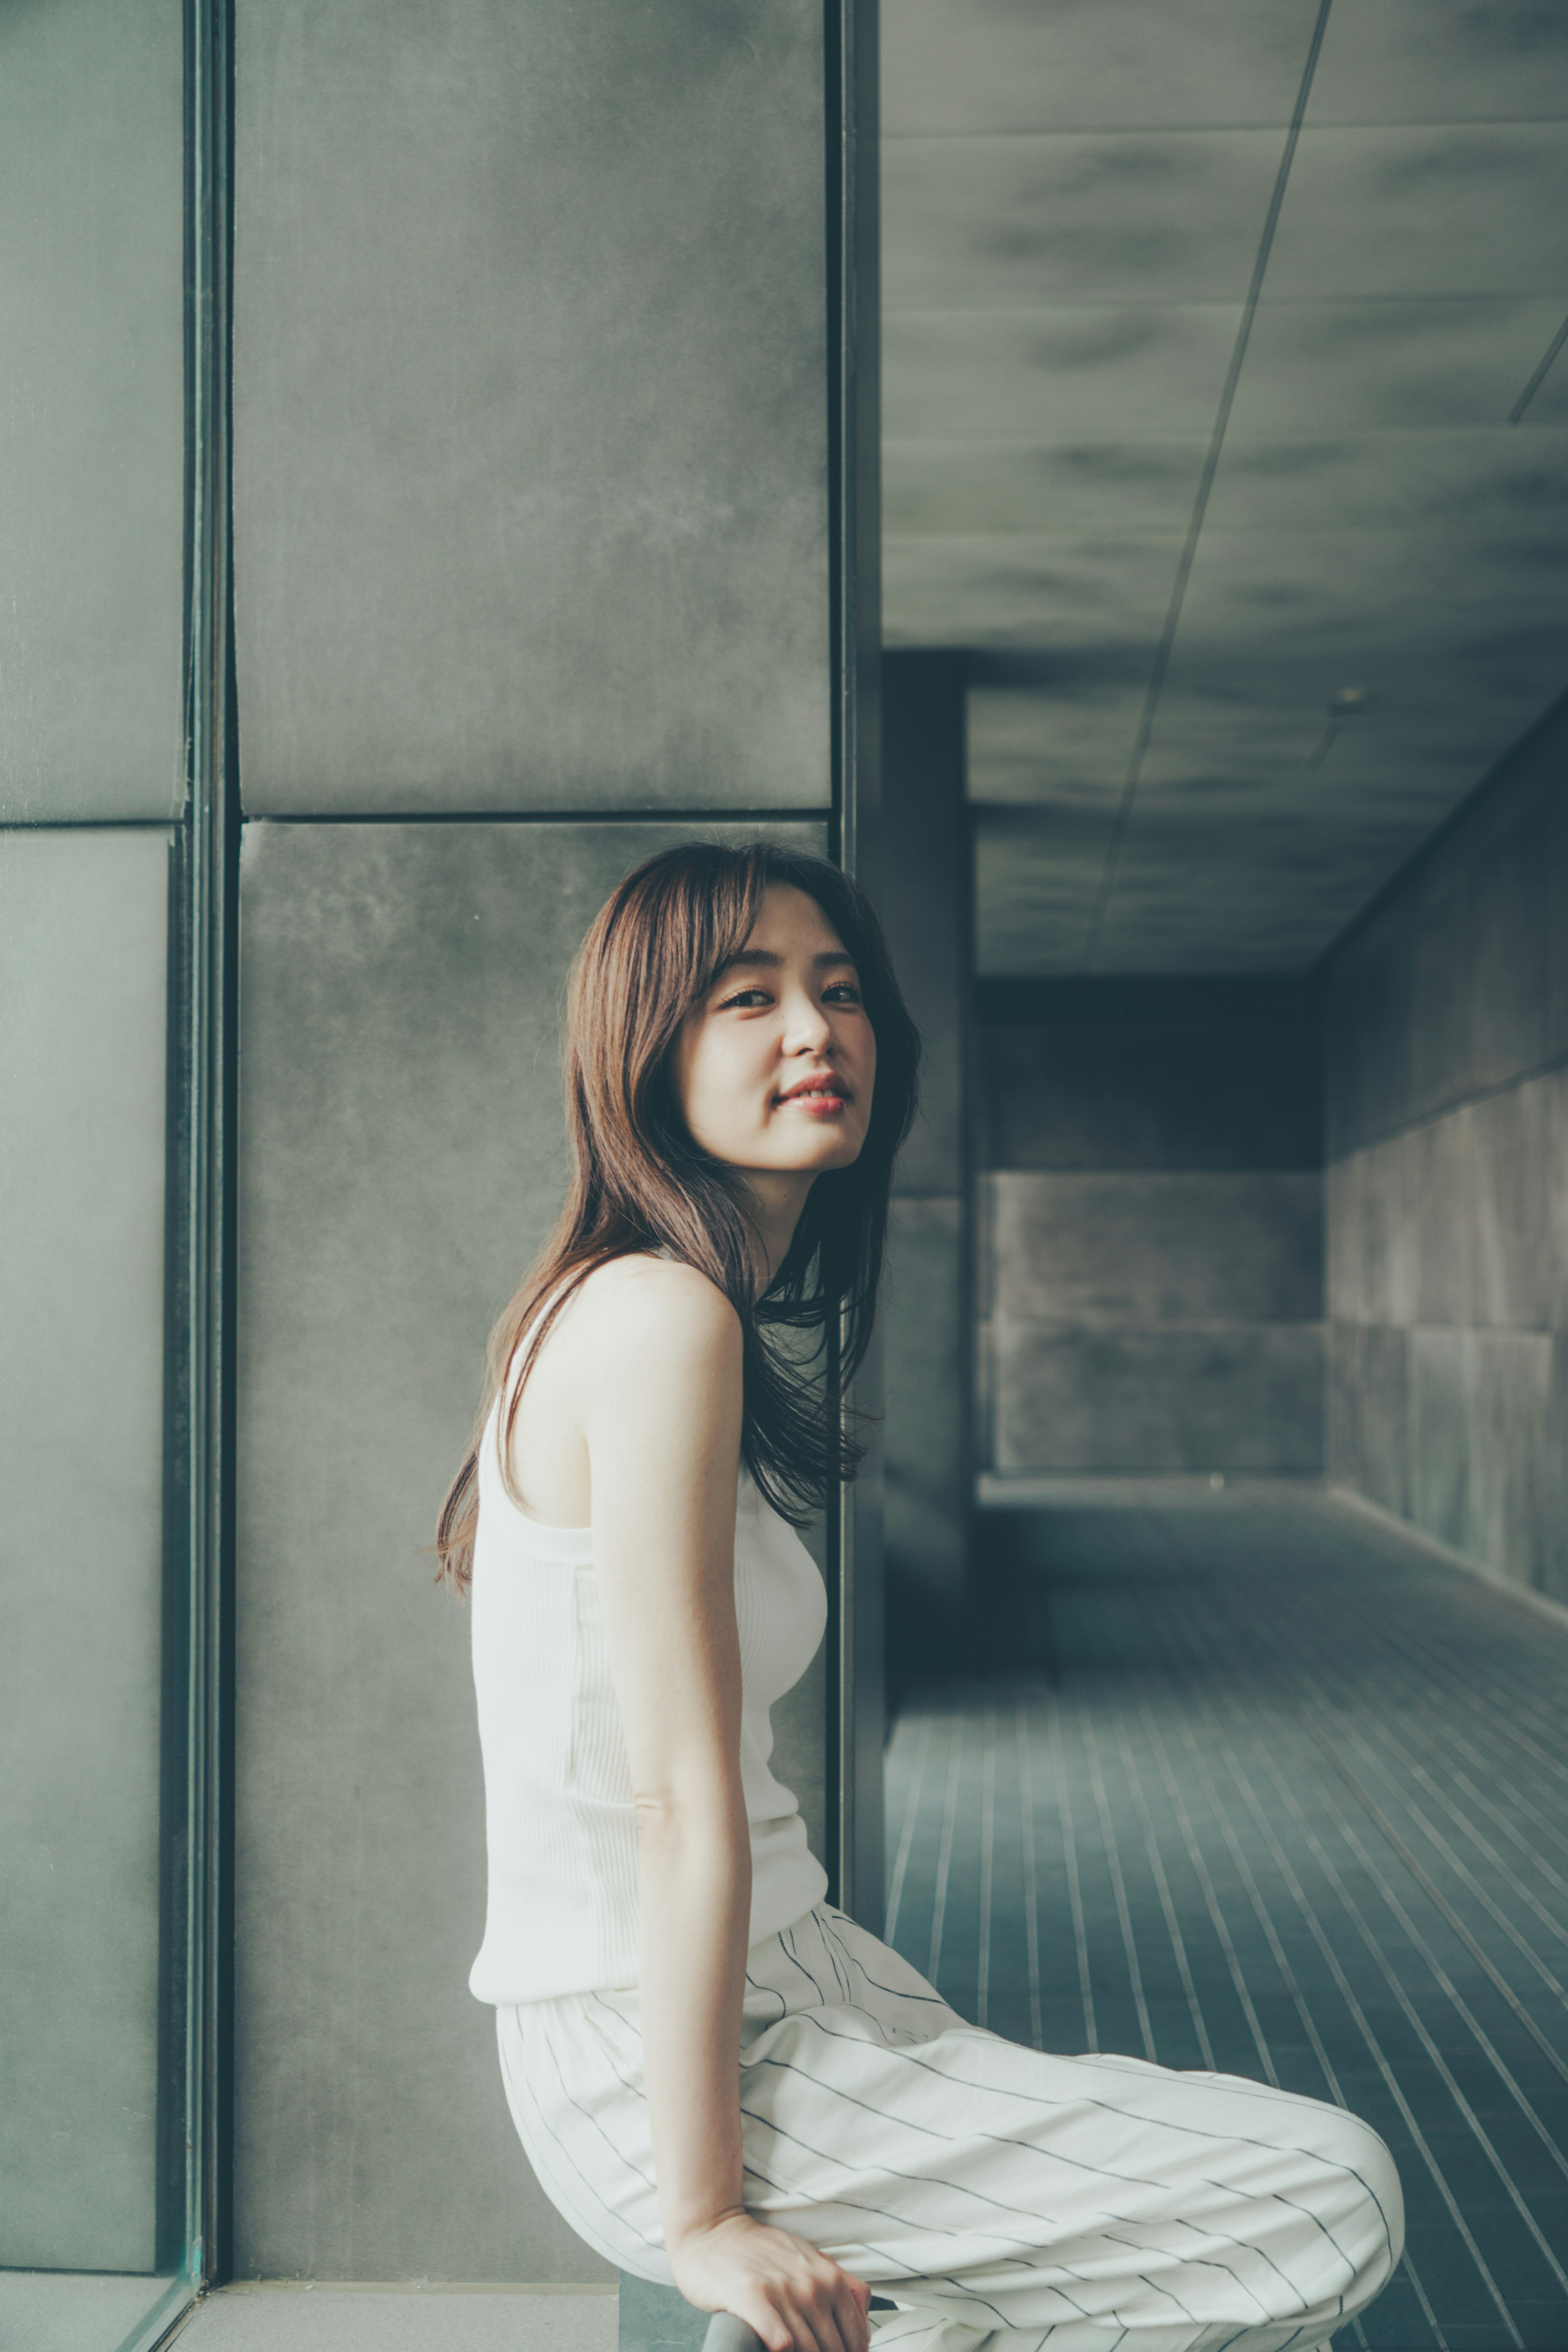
(824, 1099)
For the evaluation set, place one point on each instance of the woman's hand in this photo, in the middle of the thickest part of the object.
(796, 2297)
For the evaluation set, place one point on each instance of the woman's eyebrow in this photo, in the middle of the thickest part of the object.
(765, 960)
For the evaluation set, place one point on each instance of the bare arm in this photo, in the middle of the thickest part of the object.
(661, 1414)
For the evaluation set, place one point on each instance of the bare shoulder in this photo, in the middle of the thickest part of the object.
(651, 1310)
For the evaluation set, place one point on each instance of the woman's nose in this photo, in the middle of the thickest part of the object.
(808, 1028)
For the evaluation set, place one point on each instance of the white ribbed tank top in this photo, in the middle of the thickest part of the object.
(561, 1914)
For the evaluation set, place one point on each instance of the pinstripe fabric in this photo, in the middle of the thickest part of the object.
(1086, 2204)
(562, 1907)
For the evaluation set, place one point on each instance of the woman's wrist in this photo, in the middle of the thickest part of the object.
(681, 2235)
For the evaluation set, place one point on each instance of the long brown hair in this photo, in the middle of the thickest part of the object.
(639, 1183)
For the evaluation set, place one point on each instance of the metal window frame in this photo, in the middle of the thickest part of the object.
(855, 1640)
(194, 2160)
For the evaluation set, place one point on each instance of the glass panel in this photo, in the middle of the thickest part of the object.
(98, 2238)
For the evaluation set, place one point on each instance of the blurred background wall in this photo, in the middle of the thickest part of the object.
(1151, 1240)
(1446, 1032)
(924, 892)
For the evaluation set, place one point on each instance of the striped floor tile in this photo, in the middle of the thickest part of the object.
(1259, 1785)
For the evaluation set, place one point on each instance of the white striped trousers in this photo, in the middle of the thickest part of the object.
(1002, 2197)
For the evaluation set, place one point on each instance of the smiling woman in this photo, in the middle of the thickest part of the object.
(722, 2082)
(776, 1068)
(712, 984)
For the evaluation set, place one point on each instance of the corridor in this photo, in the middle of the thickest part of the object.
(1249, 1780)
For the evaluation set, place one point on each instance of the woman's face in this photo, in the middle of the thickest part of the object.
(774, 1069)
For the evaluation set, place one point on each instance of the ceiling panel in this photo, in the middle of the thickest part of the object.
(1549, 406)
(1081, 372)
(1015, 222)
(1324, 772)
(1442, 61)
(1251, 906)
(1036, 873)
(1061, 316)
(1350, 596)
(1323, 367)
(1089, 65)
(1065, 741)
(1266, 891)
(1262, 893)
(1011, 588)
(1129, 487)
(1480, 209)
(1407, 618)
(1223, 868)
(1464, 480)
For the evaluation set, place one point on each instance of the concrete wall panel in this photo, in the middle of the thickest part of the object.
(1437, 1182)
(1447, 1033)
(1549, 1560)
(921, 881)
(1238, 1397)
(1554, 1270)
(1149, 1074)
(926, 1345)
(1383, 1410)
(1506, 1193)
(1456, 981)
(1437, 1021)
(1157, 1248)
(1514, 1484)
(920, 878)
(1506, 903)
(83, 979)
(1387, 1250)
(1439, 1496)
(92, 408)
(1556, 861)
(530, 431)
(401, 1158)
(1153, 1259)
(1342, 1406)
(1343, 1233)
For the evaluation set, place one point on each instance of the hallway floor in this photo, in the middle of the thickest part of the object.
(1252, 1783)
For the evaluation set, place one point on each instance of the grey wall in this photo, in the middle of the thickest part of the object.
(91, 489)
(924, 891)
(92, 408)
(530, 429)
(1151, 1243)
(83, 924)
(531, 515)
(404, 1158)
(1447, 1038)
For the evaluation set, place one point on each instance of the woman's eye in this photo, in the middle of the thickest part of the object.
(842, 991)
(744, 998)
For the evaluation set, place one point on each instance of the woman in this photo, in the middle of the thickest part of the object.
(720, 2079)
